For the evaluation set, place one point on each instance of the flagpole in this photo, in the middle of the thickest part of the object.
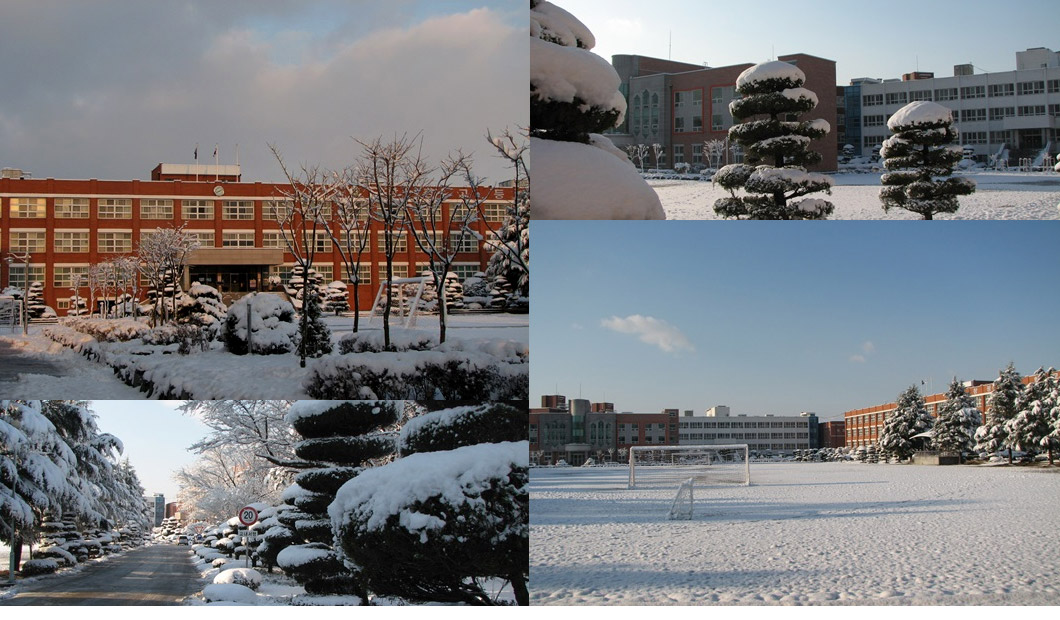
(215, 164)
(196, 162)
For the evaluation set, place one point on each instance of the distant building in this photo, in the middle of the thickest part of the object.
(157, 505)
(680, 106)
(762, 434)
(832, 434)
(581, 433)
(173, 511)
(1009, 115)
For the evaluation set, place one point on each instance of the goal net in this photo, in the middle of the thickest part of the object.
(654, 466)
(681, 508)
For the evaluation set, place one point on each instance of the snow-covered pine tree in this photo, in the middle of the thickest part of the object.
(315, 339)
(463, 474)
(909, 418)
(1030, 429)
(772, 96)
(35, 306)
(574, 98)
(337, 299)
(202, 306)
(956, 422)
(992, 436)
(501, 291)
(78, 306)
(921, 157)
(454, 292)
(341, 438)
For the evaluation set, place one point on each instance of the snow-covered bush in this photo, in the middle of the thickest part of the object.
(921, 157)
(57, 553)
(229, 593)
(477, 290)
(187, 337)
(574, 97)
(372, 342)
(449, 429)
(43, 566)
(107, 330)
(427, 526)
(247, 577)
(770, 92)
(272, 326)
(422, 375)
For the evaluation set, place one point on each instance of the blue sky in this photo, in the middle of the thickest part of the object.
(156, 438)
(786, 317)
(866, 39)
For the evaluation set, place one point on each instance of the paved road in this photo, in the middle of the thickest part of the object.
(12, 363)
(154, 575)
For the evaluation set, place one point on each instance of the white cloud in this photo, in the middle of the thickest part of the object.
(867, 348)
(650, 330)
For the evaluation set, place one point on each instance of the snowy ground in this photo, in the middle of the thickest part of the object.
(801, 534)
(1000, 196)
(216, 374)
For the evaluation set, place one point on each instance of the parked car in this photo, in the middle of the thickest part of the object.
(183, 540)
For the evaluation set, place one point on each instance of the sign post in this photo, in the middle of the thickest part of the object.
(248, 515)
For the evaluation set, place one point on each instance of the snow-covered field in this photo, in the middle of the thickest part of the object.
(801, 534)
(217, 374)
(1000, 196)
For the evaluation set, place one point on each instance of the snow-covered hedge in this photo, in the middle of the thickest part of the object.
(373, 342)
(107, 330)
(424, 375)
(449, 429)
(272, 326)
(68, 337)
(42, 566)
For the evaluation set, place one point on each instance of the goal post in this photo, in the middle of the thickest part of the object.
(668, 465)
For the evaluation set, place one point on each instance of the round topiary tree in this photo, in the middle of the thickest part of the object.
(772, 95)
(574, 98)
(922, 156)
(451, 512)
(342, 438)
(202, 306)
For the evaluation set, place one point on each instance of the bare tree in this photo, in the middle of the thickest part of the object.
(162, 255)
(302, 221)
(440, 232)
(351, 231)
(394, 176)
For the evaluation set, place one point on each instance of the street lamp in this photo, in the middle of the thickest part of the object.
(24, 259)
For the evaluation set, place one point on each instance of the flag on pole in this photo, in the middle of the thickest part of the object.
(196, 152)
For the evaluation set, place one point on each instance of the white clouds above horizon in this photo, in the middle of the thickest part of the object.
(650, 330)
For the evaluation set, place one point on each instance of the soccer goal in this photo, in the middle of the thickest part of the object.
(670, 465)
(681, 508)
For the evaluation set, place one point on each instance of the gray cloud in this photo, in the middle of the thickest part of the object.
(108, 89)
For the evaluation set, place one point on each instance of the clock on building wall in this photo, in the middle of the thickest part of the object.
(218, 190)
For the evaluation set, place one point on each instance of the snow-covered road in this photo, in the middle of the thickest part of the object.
(802, 534)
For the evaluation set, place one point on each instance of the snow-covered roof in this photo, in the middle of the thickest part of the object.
(920, 113)
(772, 70)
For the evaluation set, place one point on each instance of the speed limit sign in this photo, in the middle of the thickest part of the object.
(248, 515)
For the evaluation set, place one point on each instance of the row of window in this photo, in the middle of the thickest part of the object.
(69, 276)
(77, 241)
(715, 436)
(771, 424)
(965, 92)
(164, 209)
(967, 137)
